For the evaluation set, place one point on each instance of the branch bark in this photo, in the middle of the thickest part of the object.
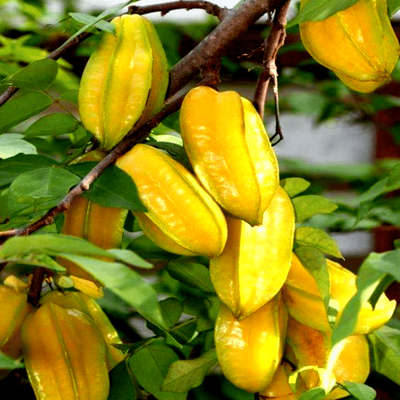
(165, 8)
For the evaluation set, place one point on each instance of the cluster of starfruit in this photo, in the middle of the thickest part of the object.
(358, 44)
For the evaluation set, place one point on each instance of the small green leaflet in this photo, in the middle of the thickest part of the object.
(90, 20)
(318, 10)
(294, 186)
(359, 390)
(130, 258)
(21, 108)
(314, 237)
(38, 75)
(150, 367)
(9, 363)
(171, 309)
(39, 190)
(317, 393)
(17, 165)
(192, 274)
(184, 375)
(12, 144)
(126, 284)
(309, 205)
(394, 6)
(121, 383)
(53, 125)
(385, 356)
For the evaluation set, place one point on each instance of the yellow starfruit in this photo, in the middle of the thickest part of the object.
(256, 260)
(86, 304)
(178, 208)
(230, 152)
(305, 303)
(309, 347)
(65, 355)
(125, 80)
(249, 351)
(357, 43)
(279, 388)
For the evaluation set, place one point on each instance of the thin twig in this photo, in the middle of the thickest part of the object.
(35, 287)
(165, 8)
(55, 55)
(273, 43)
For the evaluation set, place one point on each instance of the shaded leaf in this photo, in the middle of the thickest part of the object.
(21, 108)
(121, 383)
(52, 125)
(184, 375)
(192, 274)
(309, 205)
(172, 310)
(150, 366)
(314, 237)
(9, 363)
(38, 75)
(360, 391)
(294, 186)
(394, 6)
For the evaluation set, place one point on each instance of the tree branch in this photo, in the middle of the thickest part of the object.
(273, 43)
(214, 46)
(55, 55)
(165, 8)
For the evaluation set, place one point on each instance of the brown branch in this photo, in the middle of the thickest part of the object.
(273, 43)
(236, 22)
(35, 287)
(55, 55)
(165, 8)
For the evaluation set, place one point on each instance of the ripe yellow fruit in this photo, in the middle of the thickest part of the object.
(65, 355)
(230, 152)
(179, 210)
(125, 80)
(305, 303)
(249, 351)
(358, 44)
(256, 260)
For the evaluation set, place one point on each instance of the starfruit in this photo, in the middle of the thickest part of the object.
(125, 80)
(102, 226)
(86, 304)
(65, 355)
(230, 152)
(14, 309)
(279, 388)
(358, 44)
(256, 260)
(305, 303)
(309, 347)
(181, 216)
(249, 351)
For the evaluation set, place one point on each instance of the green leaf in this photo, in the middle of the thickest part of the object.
(9, 363)
(50, 244)
(294, 186)
(309, 205)
(17, 165)
(42, 260)
(315, 263)
(12, 144)
(359, 390)
(110, 12)
(21, 108)
(114, 187)
(125, 283)
(90, 20)
(39, 190)
(150, 366)
(316, 393)
(183, 332)
(385, 355)
(386, 263)
(394, 6)
(130, 258)
(176, 151)
(318, 10)
(314, 237)
(185, 375)
(172, 309)
(53, 125)
(38, 75)
(194, 275)
(121, 383)
(146, 248)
